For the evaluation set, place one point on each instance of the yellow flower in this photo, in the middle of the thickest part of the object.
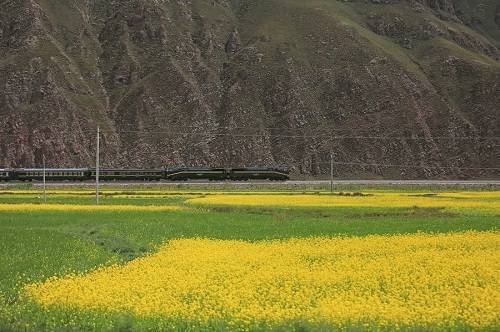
(487, 201)
(418, 279)
(74, 207)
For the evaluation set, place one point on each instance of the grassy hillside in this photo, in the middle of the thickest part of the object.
(254, 83)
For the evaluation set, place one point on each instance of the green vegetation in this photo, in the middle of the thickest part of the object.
(36, 245)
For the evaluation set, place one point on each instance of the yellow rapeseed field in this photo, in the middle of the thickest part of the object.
(404, 280)
(489, 201)
(75, 207)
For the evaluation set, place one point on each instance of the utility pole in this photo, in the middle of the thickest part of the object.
(44, 186)
(97, 169)
(331, 172)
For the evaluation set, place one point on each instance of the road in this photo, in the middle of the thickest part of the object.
(437, 183)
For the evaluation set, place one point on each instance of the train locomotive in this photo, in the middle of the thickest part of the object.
(167, 174)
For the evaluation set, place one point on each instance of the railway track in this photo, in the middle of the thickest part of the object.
(437, 183)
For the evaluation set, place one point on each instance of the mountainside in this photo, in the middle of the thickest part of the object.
(254, 82)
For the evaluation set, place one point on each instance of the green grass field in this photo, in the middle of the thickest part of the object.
(38, 244)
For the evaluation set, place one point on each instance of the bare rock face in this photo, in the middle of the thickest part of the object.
(444, 5)
(246, 83)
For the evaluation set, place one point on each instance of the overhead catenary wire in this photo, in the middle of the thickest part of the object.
(308, 136)
(327, 137)
(409, 166)
(265, 135)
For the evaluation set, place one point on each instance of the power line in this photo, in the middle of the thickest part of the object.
(324, 136)
(410, 166)
(311, 136)
(255, 127)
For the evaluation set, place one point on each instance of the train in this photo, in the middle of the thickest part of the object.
(167, 174)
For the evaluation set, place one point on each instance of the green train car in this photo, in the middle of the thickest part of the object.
(185, 174)
(128, 174)
(233, 174)
(172, 174)
(5, 174)
(255, 173)
(51, 174)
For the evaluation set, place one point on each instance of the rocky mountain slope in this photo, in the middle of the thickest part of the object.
(254, 82)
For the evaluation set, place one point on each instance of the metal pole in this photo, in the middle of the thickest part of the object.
(97, 169)
(44, 186)
(331, 172)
